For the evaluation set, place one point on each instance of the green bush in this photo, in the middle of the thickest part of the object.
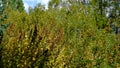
(55, 39)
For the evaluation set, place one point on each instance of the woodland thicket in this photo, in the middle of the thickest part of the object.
(74, 37)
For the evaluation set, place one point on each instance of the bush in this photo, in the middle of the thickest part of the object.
(56, 39)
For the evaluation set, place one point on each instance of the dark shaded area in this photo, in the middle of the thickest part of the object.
(2, 31)
(45, 58)
(117, 30)
(1, 48)
(34, 36)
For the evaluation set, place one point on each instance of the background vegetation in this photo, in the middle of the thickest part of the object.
(74, 37)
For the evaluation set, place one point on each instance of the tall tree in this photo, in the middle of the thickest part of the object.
(54, 3)
(14, 4)
(19, 5)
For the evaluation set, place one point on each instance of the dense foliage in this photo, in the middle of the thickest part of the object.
(58, 38)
